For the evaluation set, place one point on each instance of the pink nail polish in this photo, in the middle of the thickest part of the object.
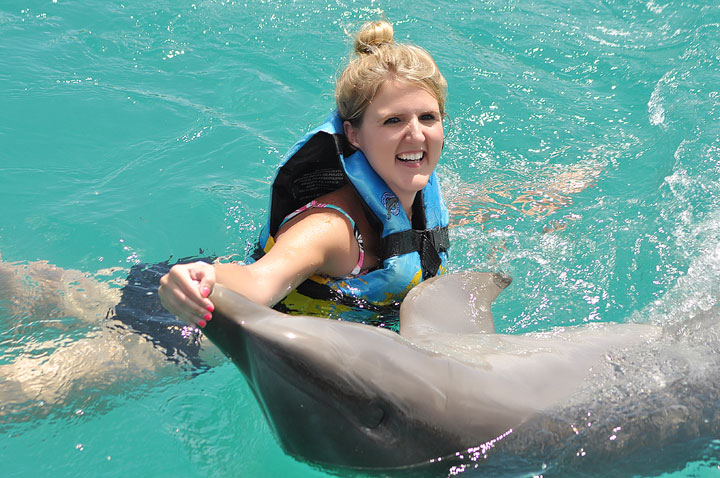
(205, 292)
(207, 316)
(202, 323)
(210, 308)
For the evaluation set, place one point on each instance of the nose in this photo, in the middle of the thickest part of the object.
(415, 130)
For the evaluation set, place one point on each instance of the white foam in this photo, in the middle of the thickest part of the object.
(656, 110)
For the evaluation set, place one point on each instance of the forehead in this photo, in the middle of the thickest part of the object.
(397, 96)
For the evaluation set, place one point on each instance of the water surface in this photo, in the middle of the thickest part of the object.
(582, 158)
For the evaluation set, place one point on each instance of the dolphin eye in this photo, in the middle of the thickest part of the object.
(373, 415)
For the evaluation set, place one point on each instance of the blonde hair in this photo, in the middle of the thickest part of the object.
(379, 59)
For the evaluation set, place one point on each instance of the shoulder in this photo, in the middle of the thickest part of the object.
(320, 221)
(330, 211)
(347, 202)
(347, 199)
(320, 236)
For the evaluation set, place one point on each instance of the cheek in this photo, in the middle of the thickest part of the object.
(371, 142)
(438, 138)
(381, 146)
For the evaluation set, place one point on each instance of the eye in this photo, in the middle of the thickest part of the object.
(392, 120)
(429, 117)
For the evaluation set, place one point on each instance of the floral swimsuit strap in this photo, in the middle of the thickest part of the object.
(315, 204)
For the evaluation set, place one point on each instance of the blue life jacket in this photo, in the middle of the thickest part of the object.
(322, 162)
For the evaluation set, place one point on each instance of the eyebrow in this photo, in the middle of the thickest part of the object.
(419, 112)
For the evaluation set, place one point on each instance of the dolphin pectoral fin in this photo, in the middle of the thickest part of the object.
(454, 303)
(233, 313)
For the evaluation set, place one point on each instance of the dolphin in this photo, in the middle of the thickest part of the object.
(353, 396)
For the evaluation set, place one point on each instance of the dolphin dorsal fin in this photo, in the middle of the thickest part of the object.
(455, 303)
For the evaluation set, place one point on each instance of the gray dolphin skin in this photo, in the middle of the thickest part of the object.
(448, 389)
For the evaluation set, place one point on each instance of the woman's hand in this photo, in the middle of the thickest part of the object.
(184, 292)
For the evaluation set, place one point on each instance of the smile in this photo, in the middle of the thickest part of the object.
(411, 157)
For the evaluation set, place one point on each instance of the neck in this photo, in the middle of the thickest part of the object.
(407, 203)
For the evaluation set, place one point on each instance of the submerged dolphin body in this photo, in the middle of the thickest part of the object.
(351, 395)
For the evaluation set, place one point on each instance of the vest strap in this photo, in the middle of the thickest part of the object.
(427, 243)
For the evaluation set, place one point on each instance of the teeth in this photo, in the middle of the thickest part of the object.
(410, 156)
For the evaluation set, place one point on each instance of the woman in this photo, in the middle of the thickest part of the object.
(374, 226)
(356, 212)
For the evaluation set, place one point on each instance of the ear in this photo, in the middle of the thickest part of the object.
(351, 133)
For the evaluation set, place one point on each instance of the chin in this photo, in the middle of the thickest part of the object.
(416, 185)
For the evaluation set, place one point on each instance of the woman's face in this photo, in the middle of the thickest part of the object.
(401, 135)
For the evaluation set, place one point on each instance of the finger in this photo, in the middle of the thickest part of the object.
(174, 290)
(205, 275)
(206, 286)
(186, 303)
(175, 302)
(180, 308)
(184, 281)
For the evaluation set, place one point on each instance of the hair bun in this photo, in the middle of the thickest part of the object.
(372, 35)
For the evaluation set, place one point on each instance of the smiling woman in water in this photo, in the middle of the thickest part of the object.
(357, 217)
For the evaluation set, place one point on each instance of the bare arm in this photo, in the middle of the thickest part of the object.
(318, 241)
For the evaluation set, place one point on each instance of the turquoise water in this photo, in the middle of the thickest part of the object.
(582, 158)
